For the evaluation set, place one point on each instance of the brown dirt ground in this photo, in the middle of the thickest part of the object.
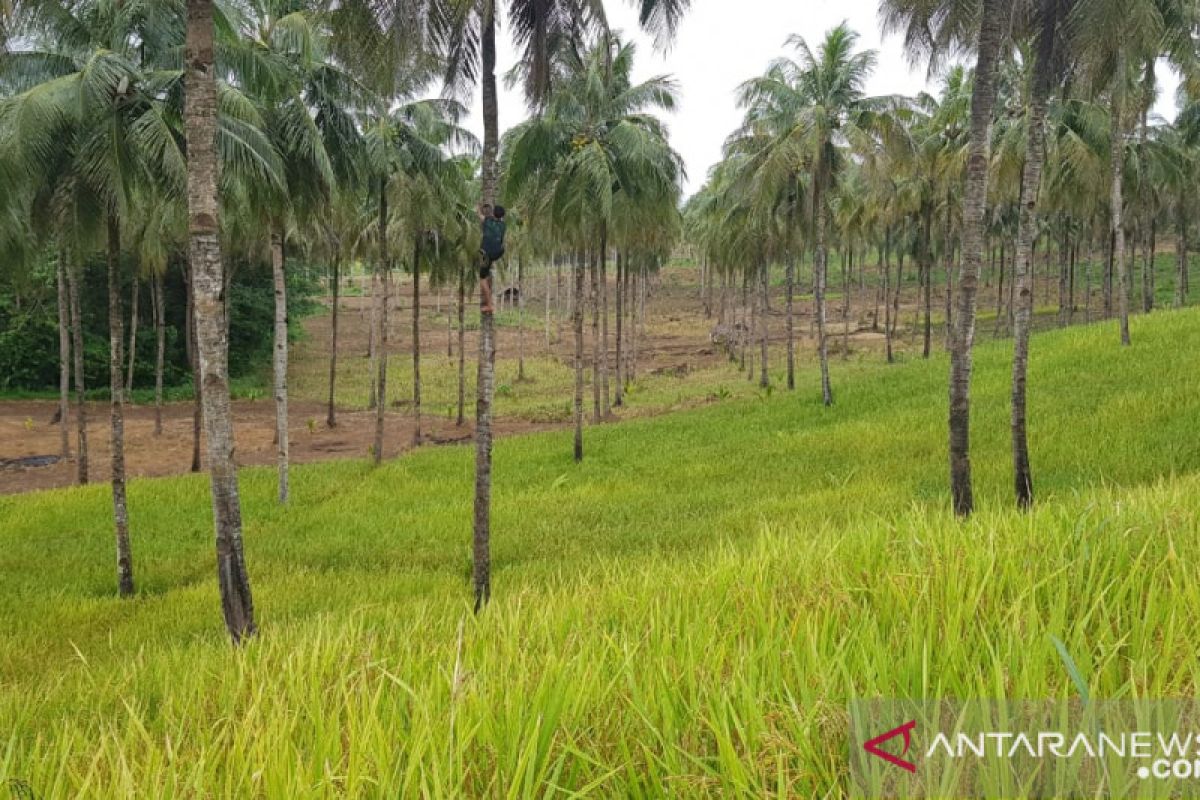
(677, 339)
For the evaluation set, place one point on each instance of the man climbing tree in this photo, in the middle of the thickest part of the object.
(490, 251)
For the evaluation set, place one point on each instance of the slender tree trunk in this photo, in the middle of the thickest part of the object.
(887, 294)
(1181, 258)
(520, 318)
(764, 380)
(449, 326)
(64, 358)
(372, 343)
(577, 321)
(383, 284)
(416, 333)
(160, 348)
(280, 363)
(1000, 293)
(116, 335)
(927, 288)
(134, 292)
(820, 270)
(1064, 266)
(331, 417)
(752, 300)
(1117, 164)
(1087, 277)
(847, 271)
(462, 349)
(896, 295)
(200, 125)
(1071, 280)
(604, 393)
(1148, 271)
(481, 547)
(1023, 272)
(74, 276)
(790, 312)
(194, 363)
(595, 303)
(949, 261)
(639, 325)
(974, 207)
(619, 400)
(546, 302)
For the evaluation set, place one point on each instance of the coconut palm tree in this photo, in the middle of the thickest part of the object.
(540, 29)
(1117, 44)
(931, 30)
(595, 141)
(1047, 67)
(813, 107)
(86, 118)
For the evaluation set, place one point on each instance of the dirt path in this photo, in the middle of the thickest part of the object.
(25, 431)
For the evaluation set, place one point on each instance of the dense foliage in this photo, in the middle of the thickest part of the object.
(29, 327)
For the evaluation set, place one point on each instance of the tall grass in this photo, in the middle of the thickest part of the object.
(682, 615)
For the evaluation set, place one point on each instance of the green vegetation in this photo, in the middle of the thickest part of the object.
(684, 614)
(29, 336)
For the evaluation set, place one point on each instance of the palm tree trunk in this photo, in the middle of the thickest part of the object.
(790, 291)
(764, 380)
(1023, 277)
(983, 99)
(381, 324)
(595, 303)
(116, 362)
(639, 329)
(481, 539)
(64, 358)
(577, 320)
(331, 417)
(1064, 266)
(133, 326)
(619, 400)
(1087, 278)
(604, 394)
(820, 268)
(81, 459)
(279, 363)
(546, 301)
(1148, 274)
(847, 271)
(896, 294)
(160, 347)
(449, 326)
(927, 271)
(1000, 293)
(752, 299)
(1117, 200)
(194, 364)
(212, 339)
(416, 332)
(520, 318)
(462, 350)
(1181, 256)
(372, 342)
(887, 294)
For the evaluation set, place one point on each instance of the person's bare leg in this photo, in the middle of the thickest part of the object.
(485, 288)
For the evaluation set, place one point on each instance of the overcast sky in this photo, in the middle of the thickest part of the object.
(722, 43)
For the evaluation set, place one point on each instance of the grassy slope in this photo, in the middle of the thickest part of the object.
(683, 614)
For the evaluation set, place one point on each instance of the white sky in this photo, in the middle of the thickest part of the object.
(720, 44)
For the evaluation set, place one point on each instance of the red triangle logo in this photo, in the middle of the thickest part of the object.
(904, 730)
